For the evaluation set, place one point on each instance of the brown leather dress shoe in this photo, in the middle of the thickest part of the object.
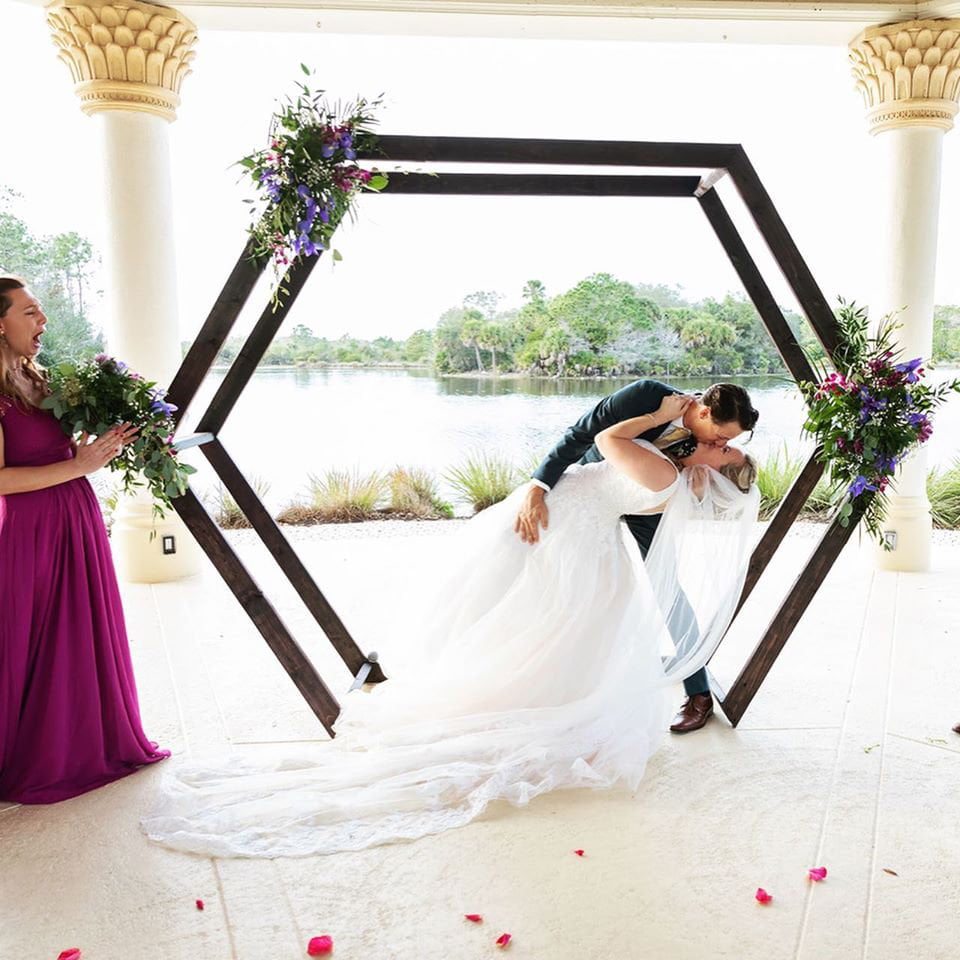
(694, 713)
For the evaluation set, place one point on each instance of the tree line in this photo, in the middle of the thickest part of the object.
(601, 326)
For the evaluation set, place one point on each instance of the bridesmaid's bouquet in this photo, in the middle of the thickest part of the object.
(94, 395)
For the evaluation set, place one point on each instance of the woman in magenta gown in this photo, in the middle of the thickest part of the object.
(69, 718)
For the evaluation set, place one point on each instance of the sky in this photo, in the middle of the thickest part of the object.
(407, 259)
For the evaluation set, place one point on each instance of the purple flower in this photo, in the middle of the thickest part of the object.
(350, 154)
(859, 485)
(327, 150)
(102, 358)
(159, 406)
(911, 371)
(923, 425)
(886, 464)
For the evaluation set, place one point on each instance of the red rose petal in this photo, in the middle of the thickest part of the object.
(817, 874)
(72, 954)
(503, 940)
(473, 917)
(319, 946)
(762, 896)
(579, 853)
(199, 904)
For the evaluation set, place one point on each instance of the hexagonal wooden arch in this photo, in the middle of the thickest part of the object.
(718, 160)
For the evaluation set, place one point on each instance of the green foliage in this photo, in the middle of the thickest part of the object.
(943, 491)
(483, 479)
(413, 492)
(227, 512)
(346, 495)
(775, 476)
(868, 414)
(307, 177)
(946, 333)
(58, 270)
(91, 396)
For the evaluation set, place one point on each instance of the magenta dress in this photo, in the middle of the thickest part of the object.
(69, 717)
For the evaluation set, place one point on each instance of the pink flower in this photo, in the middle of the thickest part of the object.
(473, 917)
(579, 853)
(199, 904)
(503, 940)
(320, 946)
(72, 954)
(817, 874)
(762, 896)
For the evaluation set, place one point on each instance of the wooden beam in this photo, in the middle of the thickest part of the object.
(787, 617)
(214, 332)
(756, 287)
(572, 152)
(266, 619)
(541, 184)
(780, 525)
(784, 250)
(245, 363)
(288, 561)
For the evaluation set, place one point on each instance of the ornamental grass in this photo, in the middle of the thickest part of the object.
(339, 496)
(414, 493)
(226, 511)
(943, 491)
(483, 479)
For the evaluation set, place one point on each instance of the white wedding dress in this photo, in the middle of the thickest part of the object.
(530, 668)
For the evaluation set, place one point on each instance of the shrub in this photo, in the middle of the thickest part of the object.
(413, 492)
(943, 490)
(775, 476)
(483, 479)
(226, 512)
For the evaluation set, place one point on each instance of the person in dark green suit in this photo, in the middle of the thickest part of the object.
(720, 414)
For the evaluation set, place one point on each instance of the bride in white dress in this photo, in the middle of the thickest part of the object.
(531, 667)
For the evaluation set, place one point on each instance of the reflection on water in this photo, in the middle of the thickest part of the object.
(292, 422)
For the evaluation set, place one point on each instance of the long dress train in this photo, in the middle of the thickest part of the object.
(532, 668)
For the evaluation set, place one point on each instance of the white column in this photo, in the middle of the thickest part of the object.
(128, 61)
(909, 75)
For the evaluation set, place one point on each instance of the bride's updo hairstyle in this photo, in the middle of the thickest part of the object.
(729, 403)
(744, 475)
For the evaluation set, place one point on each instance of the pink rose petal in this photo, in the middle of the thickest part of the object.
(473, 917)
(817, 874)
(320, 946)
(579, 853)
(762, 896)
(72, 954)
(503, 940)
(199, 904)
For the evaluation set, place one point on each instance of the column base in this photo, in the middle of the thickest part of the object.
(909, 524)
(146, 550)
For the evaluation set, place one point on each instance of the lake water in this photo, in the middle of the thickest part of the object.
(292, 422)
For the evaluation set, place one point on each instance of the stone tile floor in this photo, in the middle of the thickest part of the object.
(845, 760)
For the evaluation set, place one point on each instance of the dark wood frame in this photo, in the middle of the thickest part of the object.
(717, 160)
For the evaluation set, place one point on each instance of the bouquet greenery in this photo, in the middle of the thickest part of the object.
(868, 414)
(92, 396)
(308, 176)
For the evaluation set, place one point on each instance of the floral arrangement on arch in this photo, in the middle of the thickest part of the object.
(91, 396)
(308, 177)
(869, 414)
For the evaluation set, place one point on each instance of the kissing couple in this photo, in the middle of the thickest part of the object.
(538, 650)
